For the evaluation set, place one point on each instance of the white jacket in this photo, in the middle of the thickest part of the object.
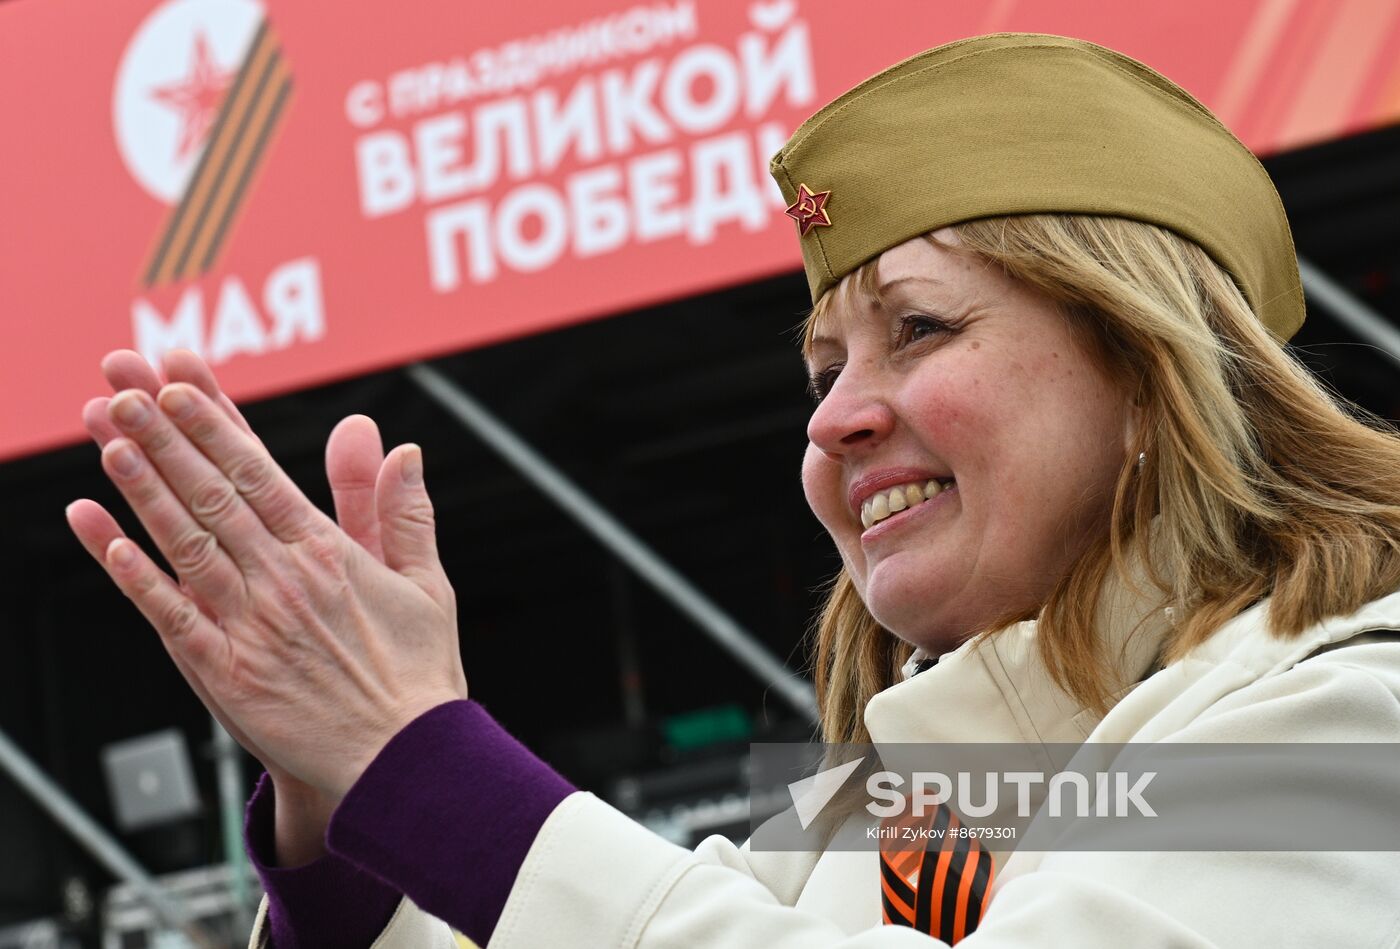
(595, 878)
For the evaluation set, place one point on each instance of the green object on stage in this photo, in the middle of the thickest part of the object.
(707, 726)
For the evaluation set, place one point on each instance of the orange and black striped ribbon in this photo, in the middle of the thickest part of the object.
(197, 228)
(937, 883)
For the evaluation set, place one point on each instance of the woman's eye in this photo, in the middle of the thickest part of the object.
(917, 327)
(820, 383)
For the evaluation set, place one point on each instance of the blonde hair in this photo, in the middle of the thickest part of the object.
(1257, 482)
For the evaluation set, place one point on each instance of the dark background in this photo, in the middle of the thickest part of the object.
(685, 420)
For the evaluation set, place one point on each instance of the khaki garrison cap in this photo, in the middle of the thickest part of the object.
(1022, 123)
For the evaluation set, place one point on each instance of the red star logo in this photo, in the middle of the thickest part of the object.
(809, 210)
(196, 97)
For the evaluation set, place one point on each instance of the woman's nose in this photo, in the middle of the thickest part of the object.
(853, 416)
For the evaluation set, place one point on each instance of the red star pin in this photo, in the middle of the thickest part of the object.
(809, 210)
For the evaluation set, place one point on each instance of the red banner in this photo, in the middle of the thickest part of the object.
(302, 192)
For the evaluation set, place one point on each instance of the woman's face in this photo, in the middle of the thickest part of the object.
(962, 375)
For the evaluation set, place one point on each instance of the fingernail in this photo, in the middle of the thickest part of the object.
(120, 554)
(412, 469)
(176, 402)
(125, 461)
(128, 410)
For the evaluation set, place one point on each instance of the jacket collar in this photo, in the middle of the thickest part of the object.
(1247, 643)
(996, 689)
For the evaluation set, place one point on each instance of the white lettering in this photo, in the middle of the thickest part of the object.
(457, 82)
(679, 22)
(403, 92)
(292, 306)
(364, 104)
(1023, 781)
(597, 211)
(585, 45)
(499, 127)
(488, 73)
(430, 87)
(469, 219)
(576, 125)
(509, 119)
(881, 785)
(292, 298)
(706, 61)
(627, 106)
(788, 65)
(236, 328)
(521, 63)
(531, 253)
(599, 216)
(989, 804)
(184, 330)
(922, 799)
(1057, 784)
(438, 142)
(385, 173)
(652, 191)
(431, 80)
(632, 30)
(1133, 795)
(724, 188)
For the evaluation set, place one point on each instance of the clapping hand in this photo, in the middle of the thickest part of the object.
(312, 643)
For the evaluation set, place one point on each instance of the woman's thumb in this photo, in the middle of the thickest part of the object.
(406, 524)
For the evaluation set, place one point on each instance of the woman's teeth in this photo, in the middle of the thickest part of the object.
(877, 507)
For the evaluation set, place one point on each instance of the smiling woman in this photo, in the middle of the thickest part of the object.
(1132, 401)
(1080, 492)
(945, 369)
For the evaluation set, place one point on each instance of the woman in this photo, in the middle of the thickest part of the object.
(1078, 489)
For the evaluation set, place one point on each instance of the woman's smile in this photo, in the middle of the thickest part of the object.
(926, 504)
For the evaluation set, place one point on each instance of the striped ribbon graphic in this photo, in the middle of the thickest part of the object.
(937, 883)
(247, 119)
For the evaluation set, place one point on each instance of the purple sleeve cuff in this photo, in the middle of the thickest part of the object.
(326, 903)
(446, 814)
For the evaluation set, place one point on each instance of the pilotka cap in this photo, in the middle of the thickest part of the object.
(1023, 123)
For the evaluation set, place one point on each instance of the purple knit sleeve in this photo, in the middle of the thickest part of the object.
(446, 814)
(327, 903)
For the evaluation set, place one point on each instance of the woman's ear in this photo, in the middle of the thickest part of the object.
(1132, 425)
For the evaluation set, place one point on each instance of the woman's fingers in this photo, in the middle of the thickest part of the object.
(96, 530)
(354, 455)
(203, 494)
(181, 365)
(407, 525)
(97, 422)
(93, 526)
(192, 550)
(127, 369)
(243, 462)
(186, 632)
